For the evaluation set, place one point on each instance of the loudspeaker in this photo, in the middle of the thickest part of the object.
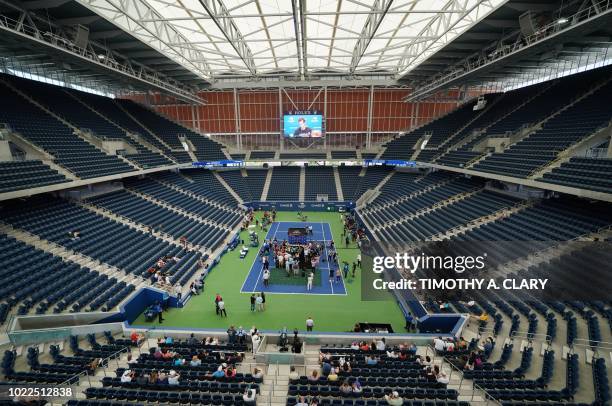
(81, 36)
(527, 23)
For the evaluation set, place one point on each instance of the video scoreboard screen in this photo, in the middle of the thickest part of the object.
(303, 124)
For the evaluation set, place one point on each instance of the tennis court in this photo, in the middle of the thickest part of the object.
(320, 232)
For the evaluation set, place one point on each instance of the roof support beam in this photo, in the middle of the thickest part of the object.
(299, 28)
(38, 4)
(130, 16)
(105, 34)
(220, 15)
(379, 11)
(446, 27)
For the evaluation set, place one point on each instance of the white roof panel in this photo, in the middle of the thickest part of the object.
(258, 37)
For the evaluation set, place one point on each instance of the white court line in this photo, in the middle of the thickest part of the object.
(331, 283)
(262, 268)
(341, 273)
(251, 267)
(293, 293)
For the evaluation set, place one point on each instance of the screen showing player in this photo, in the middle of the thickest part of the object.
(303, 125)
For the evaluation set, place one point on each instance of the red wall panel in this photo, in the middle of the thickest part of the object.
(345, 110)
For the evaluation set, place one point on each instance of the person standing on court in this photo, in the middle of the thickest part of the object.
(218, 298)
(263, 301)
(259, 301)
(266, 278)
(221, 306)
(310, 279)
(309, 323)
(266, 264)
(253, 302)
(159, 310)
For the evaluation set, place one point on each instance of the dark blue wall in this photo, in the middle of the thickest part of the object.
(140, 301)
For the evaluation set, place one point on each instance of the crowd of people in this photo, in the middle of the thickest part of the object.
(226, 368)
(351, 230)
(333, 367)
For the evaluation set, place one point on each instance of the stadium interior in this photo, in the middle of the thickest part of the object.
(195, 196)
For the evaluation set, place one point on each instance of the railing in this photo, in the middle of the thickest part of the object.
(488, 399)
(596, 153)
(604, 346)
(75, 380)
(54, 39)
(544, 32)
(531, 336)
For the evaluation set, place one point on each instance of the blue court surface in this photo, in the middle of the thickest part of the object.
(320, 232)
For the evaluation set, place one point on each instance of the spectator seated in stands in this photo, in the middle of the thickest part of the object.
(91, 368)
(136, 338)
(178, 361)
(127, 376)
(487, 345)
(314, 376)
(441, 345)
(258, 373)
(293, 375)
(173, 378)
(219, 373)
(441, 377)
(249, 396)
(326, 368)
(424, 362)
(346, 388)
(394, 399)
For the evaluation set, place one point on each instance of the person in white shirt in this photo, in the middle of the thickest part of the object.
(255, 339)
(293, 374)
(439, 344)
(310, 279)
(266, 277)
(127, 376)
(178, 291)
(173, 378)
(392, 354)
(249, 396)
(222, 311)
(309, 323)
(302, 402)
(380, 345)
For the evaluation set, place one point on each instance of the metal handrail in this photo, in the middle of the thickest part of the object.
(542, 33)
(530, 336)
(488, 397)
